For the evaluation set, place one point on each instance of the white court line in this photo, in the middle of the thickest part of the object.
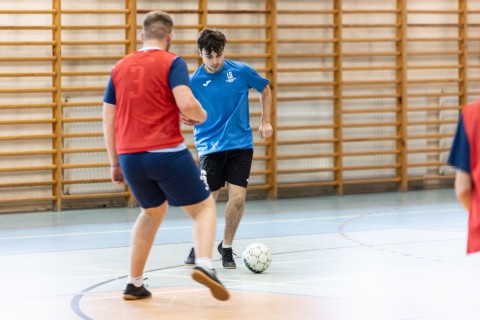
(243, 223)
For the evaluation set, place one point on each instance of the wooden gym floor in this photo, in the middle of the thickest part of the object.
(385, 256)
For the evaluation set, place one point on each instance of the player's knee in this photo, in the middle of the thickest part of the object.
(156, 212)
(238, 201)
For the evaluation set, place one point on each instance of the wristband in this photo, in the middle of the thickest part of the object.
(115, 165)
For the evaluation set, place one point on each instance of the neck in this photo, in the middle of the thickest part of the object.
(162, 44)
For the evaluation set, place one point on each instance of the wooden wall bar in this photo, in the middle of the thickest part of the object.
(363, 95)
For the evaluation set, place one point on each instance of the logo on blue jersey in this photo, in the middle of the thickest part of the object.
(207, 83)
(230, 77)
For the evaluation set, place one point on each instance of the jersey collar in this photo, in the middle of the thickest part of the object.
(150, 48)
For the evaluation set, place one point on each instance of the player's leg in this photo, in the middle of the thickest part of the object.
(152, 201)
(215, 195)
(187, 188)
(212, 173)
(233, 215)
(238, 166)
(190, 259)
(233, 212)
(204, 217)
(204, 225)
(143, 235)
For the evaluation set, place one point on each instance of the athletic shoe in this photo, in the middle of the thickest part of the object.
(209, 279)
(227, 257)
(134, 293)
(190, 259)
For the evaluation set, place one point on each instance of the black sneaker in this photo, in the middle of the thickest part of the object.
(209, 279)
(227, 257)
(190, 259)
(134, 293)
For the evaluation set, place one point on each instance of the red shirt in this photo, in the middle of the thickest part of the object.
(471, 119)
(147, 117)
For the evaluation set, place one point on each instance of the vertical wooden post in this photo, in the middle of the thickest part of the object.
(271, 164)
(131, 21)
(202, 21)
(338, 96)
(402, 92)
(131, 46)
(463, 48)
(57, 99)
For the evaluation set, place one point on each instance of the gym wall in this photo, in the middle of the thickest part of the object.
(366, 93)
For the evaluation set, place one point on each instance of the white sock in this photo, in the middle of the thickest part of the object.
(226, 246)
(136, 281)
(205, 263)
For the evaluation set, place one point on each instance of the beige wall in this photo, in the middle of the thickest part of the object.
(365, 146)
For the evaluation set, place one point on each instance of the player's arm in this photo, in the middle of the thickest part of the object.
(109, 131)
(460, 159)
(463, 188)
(108, 114)
(190, 108)
(109, 135)
(266, 129)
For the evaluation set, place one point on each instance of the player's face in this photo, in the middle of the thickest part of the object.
(213, 61)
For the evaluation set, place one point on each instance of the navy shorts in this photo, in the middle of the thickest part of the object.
(155, 177)
(232, 166)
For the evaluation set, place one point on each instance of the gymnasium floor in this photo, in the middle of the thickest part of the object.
(391, 256)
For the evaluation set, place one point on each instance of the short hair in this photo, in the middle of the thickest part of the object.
(211, 40)
(157, 25)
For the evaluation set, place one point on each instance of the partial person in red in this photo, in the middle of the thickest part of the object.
(147, 91)
(465, 157)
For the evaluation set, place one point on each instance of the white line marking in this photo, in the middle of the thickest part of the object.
(243, 223)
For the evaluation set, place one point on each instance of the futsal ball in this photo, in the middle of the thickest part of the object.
(257, 257)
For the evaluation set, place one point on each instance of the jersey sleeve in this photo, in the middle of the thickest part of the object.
(178, 73)
(110, 95)
(460, 151)
(254, 80)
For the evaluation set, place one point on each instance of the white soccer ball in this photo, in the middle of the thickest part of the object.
(257, 257)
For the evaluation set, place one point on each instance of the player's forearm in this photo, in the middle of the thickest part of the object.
(194, 111)
(266, 102)
(109, 132)
(465, 199)
(463, 188)
(188, 105)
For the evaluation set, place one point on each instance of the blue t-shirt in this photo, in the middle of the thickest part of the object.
(224, 95)
(460, 153)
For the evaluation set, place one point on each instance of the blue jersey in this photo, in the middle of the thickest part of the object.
(224, 95)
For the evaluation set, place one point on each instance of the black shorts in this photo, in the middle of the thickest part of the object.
(232, 166)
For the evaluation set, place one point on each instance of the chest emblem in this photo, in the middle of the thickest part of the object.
(230, 77)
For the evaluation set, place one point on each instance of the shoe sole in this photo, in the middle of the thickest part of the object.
(132, 297)
(189, 264)
(234, 267)
(217, 290)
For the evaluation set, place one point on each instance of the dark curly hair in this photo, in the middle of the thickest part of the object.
(211, 40)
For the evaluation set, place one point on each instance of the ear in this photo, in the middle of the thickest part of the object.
(169, 37)
(142, 36)
(200, 52)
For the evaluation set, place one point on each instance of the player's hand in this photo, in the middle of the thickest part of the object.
(265, 130)
(117, 176)
(188, 121)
